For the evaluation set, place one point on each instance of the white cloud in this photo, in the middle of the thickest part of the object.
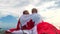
(12, 7)
(13, 3)
(6, 6)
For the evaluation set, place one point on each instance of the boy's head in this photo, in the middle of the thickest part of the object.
(34, 10)
(25, 12)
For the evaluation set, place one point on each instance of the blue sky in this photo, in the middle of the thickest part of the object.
(11, 10)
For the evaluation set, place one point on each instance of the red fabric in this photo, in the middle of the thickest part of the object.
(46, 28)
(58, 31)
(13, 29)
(18, 25)
(28, 26)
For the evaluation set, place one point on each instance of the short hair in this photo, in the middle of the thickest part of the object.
(24, 12)
(34, 9)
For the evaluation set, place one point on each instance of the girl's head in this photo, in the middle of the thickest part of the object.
(34, 10)
(25, 12)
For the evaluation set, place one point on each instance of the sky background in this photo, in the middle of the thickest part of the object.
(11, 10)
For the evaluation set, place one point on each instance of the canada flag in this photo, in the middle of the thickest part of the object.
(41, 28)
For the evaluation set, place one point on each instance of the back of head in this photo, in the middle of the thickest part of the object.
(25, 12)
(34, 10)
